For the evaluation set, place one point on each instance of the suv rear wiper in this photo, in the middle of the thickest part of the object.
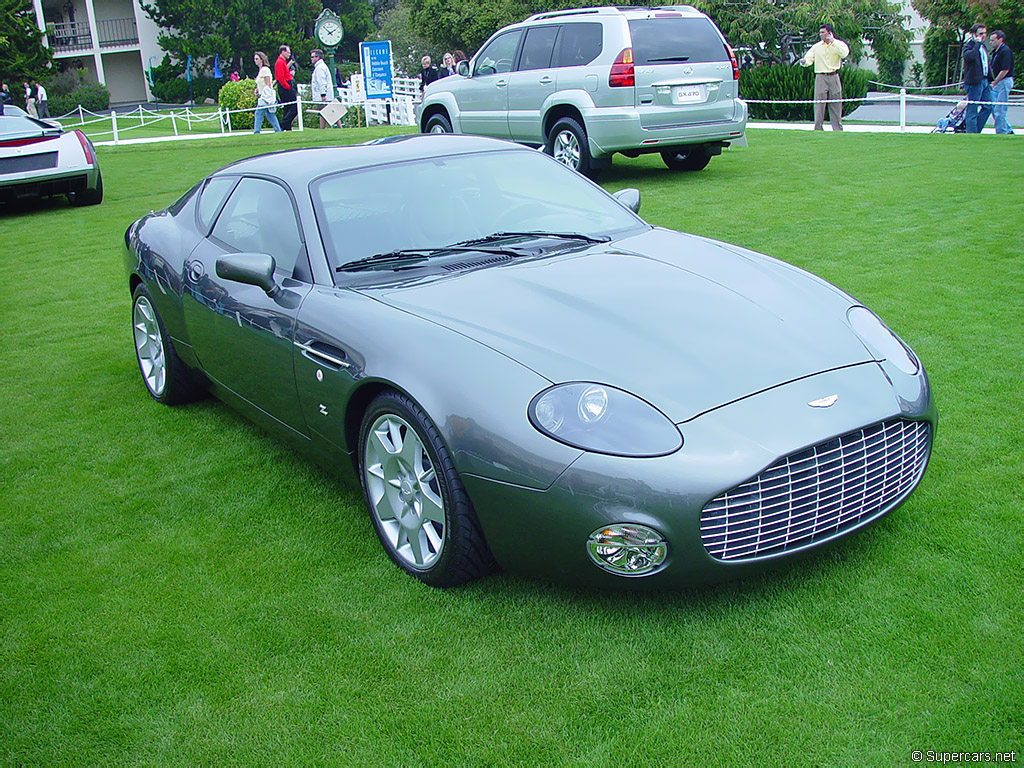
(669, 58)
(413, 256)
(537, 234)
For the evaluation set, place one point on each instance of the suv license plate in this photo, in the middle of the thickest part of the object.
(687, 94)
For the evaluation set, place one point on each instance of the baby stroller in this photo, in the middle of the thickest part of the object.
(955, 121)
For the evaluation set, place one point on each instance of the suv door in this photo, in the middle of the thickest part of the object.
(532, 83)
(682, 70)
(483, 97)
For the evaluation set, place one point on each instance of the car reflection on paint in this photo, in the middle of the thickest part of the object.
(519, 371)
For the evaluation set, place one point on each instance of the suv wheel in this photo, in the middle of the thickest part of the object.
(695, 158)
(567, 143)
(438, 124)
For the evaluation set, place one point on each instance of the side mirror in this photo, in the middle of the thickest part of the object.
(630, 198)
(462, 68)
(249, 268)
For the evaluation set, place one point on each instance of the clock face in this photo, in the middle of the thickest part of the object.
(330, 32)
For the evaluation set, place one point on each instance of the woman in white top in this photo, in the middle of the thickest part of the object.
(266, 98)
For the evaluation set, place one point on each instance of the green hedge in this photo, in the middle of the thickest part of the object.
(936, 47)
(175, 91)
(239, 95)
(792, 83)
(70, 89)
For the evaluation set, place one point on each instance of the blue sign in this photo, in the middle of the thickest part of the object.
(376, 61)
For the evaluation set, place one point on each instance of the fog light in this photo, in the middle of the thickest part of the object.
(627, 549)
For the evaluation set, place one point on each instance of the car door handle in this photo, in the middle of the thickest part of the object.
(501, 83)
(546, 80)
(324, 354)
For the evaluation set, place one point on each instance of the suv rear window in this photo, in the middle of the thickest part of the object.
(675, 40)
(580, 44)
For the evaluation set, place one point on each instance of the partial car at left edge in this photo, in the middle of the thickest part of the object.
(39, 158)
(520, 371)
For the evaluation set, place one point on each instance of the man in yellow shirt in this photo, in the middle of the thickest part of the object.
(826, 56)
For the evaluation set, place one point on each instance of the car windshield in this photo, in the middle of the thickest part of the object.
(430, 203)
(21, 126)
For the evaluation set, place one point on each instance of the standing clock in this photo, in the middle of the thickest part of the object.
(328, 30)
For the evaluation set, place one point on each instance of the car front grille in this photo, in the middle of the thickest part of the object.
(817, 493)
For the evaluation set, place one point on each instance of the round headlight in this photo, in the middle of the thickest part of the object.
(603, 419)
(880, 340)
(627, 549)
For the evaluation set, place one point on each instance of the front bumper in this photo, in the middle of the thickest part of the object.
(544, 532)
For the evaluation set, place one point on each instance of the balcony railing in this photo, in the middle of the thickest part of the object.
(74, 35)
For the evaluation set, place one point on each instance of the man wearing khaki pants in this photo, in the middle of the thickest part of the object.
(826, 55)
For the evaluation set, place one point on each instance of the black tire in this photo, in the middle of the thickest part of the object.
(166, 378)
(567, 143)
(438, 123)
(695, 158)
(404, 499)
(88, 196)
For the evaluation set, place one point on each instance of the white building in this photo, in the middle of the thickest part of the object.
(114, 40)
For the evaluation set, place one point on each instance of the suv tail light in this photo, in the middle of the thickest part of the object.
(621, 75)
(732, 60)
(86, 146)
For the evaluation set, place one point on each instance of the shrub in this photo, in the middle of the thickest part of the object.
(239, 95)
(70, 89)
(937, 54)
(355, 117)
(794, 83)
(171, 86)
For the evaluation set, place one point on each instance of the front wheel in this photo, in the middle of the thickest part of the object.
(695, 158)
(417, 502)
(567, 143)
(166, 378)
(438, 124)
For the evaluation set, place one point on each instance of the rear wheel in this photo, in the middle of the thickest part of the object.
(166, 378)
(417, 502)
(695, 158)
(438, 123)
(567, 143)
(88, 196)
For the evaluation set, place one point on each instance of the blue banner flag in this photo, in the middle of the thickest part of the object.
(188, 69)
(216, 66)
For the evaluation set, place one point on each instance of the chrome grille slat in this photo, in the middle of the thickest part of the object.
(817, 493)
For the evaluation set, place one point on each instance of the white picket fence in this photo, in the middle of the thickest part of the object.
(400, 109)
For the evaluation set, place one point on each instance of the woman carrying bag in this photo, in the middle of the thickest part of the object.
(266, 98)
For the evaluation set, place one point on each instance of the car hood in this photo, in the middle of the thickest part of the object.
(686, 323)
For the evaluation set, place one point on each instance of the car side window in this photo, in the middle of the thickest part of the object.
(538, 47)
(259, 217)
(580, 44)
(498, 55)
(211, 198)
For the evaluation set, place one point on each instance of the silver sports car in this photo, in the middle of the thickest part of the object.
(522, 372)
(38, 158)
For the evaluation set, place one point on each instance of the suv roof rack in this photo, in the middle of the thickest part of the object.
(605, 10)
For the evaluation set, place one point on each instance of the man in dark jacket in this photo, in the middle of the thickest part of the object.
(1002, 80)
(976, 78)
(285, 88)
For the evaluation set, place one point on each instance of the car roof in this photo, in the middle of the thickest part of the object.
(627, 11)
(299, 166)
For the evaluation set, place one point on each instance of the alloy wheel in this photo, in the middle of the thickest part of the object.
(149, 345)
(567, 149)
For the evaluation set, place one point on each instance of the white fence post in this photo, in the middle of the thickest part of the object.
(81, 116)
(113, 124)
(220, 119)
(174, 123)
(903, 110)
(188, 118)
(142, 119)
(298, 106)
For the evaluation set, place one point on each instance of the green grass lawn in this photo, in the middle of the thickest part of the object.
(178, 588)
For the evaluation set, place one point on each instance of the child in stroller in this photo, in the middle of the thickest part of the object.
(956, 120)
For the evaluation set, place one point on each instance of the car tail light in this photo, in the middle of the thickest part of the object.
(25, 142)
(732, 60)
(621, 75)
(86, 147)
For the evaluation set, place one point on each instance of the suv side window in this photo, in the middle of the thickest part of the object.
(498, 56)
(538, 47)
(581, 44)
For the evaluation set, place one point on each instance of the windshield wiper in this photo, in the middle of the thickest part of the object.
(413, 256)
(538, 234)
(670, 58)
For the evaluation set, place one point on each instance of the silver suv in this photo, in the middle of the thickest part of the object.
(587, 83)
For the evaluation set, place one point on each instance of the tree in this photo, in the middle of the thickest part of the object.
(236, 28)
(22, 53)
(779, 32)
